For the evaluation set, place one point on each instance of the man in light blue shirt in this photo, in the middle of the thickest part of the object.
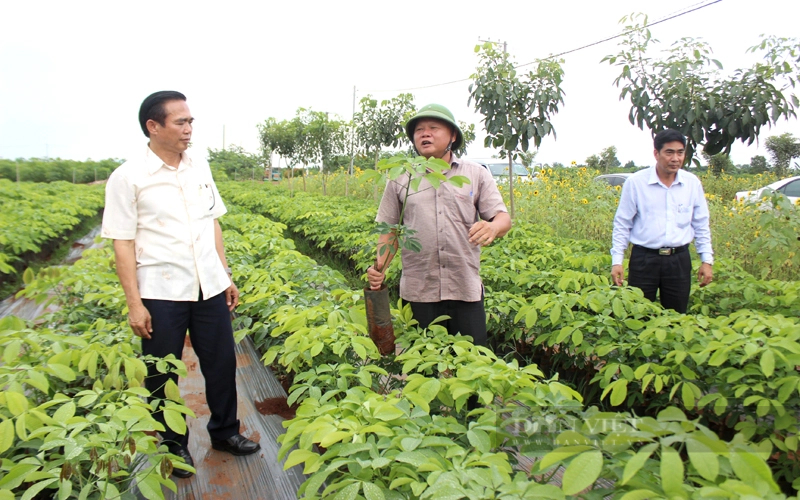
(661, 210)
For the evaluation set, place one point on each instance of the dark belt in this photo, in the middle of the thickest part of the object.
(663, 251)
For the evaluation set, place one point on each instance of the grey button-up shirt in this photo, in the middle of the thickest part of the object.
(447, 267)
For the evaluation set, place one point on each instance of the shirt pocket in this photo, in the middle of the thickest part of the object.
(203, 201)
(463, 208)
(684, 216)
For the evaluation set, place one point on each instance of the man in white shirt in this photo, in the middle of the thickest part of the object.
(161, 211)
(661, 210)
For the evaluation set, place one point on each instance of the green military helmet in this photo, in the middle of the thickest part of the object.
(438, 112)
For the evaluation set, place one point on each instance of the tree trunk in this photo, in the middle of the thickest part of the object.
(510, 186)
(375, 188)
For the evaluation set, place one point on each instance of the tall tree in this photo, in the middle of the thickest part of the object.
(718, 163)
(686, 90)
(593, 162)
(608, 158)
(782, 148)
(284, 138)
(234, 162)
(379, 126)
(516, 109)
(468, 133)
(758, 165)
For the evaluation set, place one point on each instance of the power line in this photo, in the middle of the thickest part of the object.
(691, 8)
(625, 33)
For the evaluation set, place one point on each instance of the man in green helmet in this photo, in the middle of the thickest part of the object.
(452, 224)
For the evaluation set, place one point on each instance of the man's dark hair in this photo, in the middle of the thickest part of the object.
(152, 107)
(668, 135)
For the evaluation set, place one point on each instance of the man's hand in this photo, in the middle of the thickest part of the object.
(482, 233)
(617, 274)
(375, 278)
(705, 274)
(139, 319)
(232, 296)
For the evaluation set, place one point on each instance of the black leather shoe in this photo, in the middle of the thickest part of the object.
(184, 454)
(236, 445)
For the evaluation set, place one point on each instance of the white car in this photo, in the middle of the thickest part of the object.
(614, 179)
(499, 170)
(789, 187)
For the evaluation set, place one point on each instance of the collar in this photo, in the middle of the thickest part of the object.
(154, 162)
(455, 161)
(653, 177)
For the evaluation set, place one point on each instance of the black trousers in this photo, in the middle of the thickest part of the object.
(211, 332)
(467, 318)
(669, 275)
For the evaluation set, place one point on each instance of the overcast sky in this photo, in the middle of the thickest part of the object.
(72, 74)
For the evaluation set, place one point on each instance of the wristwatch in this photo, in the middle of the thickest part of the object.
(229, 271)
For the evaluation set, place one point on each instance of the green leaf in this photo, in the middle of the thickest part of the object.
(349, 492)
(560, 454)
(17, 475)
(38, 487)
(619, 393)
(171, 391)
(480, 440)
(582, 472)
(16, 402)
(555, 313)
(66, 412)
(430, 389)
(703, 459)
(63, 372)
(637, 462)
(175, 420)
(6, 435)
(751, 469)
(298, 457)
(12, 351)
(768, 362)
(149, 486)
(671, 471)
(372, 492)
(28, 276)
(387, 412)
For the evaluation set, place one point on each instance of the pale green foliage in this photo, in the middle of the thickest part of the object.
(782, 148)
(719, 163)
(379, 126)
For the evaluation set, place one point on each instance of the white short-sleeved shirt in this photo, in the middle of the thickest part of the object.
(169, 213)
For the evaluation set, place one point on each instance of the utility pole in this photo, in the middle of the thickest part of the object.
(223, 137)
(352, 141)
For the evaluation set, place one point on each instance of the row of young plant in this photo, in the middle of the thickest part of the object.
(302, 330)
(74, 421)
(74, 416)
(33, 215)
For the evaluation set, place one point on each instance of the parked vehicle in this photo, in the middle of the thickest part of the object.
(789, 187)
(614, 179)
(499, 170)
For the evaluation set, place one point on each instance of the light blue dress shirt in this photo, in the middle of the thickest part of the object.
(653, 215)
